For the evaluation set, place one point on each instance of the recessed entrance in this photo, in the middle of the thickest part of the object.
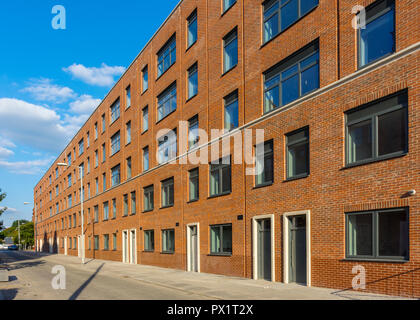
(125, 246)
(193, 248)
(297, 247)
(263, 247)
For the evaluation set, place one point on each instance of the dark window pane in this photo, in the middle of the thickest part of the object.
(227, 239)
(393, 234)
(391, 132)
(377, 39)
(297, 160)
(289, 13)
(360, 235)
(307, 5)
(360, 141)
(290, 89)
(226, 179)
(310, 79)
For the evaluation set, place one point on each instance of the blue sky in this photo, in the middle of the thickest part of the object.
(51, 80)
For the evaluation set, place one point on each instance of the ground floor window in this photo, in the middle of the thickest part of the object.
(149, 240)
(221, 239)
(381, 234)
(168, 241)
(96, 242)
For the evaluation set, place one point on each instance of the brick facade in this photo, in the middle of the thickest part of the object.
(330, 190)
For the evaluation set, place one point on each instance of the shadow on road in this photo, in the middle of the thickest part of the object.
(8, 294)
(84, 285)
(26, 264)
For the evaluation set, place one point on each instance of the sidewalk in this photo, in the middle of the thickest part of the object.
(209, 286)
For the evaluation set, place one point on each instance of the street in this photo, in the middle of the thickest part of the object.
(30, 278)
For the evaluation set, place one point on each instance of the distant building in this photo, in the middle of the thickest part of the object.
(8, 240)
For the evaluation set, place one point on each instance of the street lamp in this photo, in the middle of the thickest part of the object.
(62, 164)
(36, 243)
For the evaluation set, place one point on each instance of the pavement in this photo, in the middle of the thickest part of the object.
(30, 278)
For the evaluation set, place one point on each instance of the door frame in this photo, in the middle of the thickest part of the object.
(123, 247)
(286, 229)
(189, 246)
(65, 245)
(255, 245)
(130, 251)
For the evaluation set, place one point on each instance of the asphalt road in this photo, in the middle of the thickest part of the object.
(31, 278)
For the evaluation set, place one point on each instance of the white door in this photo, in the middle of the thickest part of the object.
(125, 246)
(65, 245)
(79, 251)
(193, 248)
(133, 247)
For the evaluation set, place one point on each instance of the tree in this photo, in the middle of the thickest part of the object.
(2, 196)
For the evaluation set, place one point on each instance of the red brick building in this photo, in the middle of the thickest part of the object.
(335, 86)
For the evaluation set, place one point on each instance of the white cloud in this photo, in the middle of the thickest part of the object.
(35, 126)
(103, 76)
(84, 104)
(4, 152)
(27, 167)
(45, 90)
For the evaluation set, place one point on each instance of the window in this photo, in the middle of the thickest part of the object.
(297, 154)
(166, 56)
(168, 241)
(126, 205)
(220, 177)
(81, 147)
(88, 190)
(377, 130)
(115, 143)
(292, 78)
(167, 102)
(278, 15)
(231, 111)
(145, 158)
(103, 153)
(381, 234)
(114, 241)
(193, 185)
(96, 242)
(264, 164)
(230, 50)
(95, 213)
(88, 165)
(114, 208)
(149, 240)
(106, 241)
(128, 132)
(227, 4)
(145, 79)
(103, 120)
(148, 201)
(115, 176)
(96, 130)
(133, 202)
(68, 160)
(221, 239)
(167, 147)
(145, 118)
(96, 158)
(192, 29)
(377, 39)
(69, 180)
(96, 185)
(115, 112)
(167, 195)
(106, 211)
(56, 190)
(128, 162)
(128, 97)
(56, 173)
(88, 139)
(104, 182)
(193, 136)
(193, 81)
